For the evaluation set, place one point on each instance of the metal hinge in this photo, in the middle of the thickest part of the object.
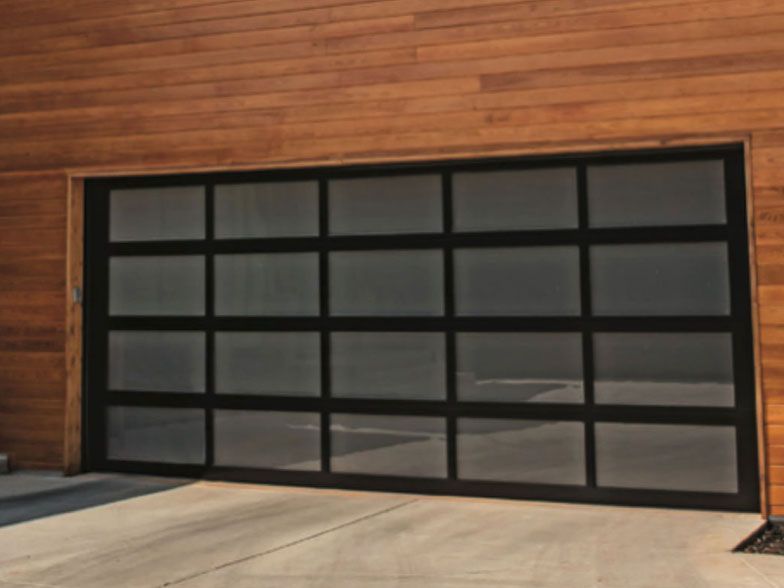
(76, 294)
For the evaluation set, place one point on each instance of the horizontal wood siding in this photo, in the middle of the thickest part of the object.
(142, 85)
(32, 304)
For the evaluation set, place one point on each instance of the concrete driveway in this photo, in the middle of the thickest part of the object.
(112, 531)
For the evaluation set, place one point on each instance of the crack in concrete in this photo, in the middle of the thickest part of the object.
(286, 545)
(761, 574)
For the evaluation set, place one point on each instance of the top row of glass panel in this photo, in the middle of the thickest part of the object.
(633, 195)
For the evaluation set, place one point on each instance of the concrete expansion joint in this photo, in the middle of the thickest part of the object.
(288, 545)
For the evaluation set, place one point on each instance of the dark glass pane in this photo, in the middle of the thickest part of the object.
(517, 281)
(520, 367)
(541, 452)
(270, 209)
(650, 194)
(386, 283)
(152, 214)
(157, 361)
(156, 286)
(276, 364)
(275, 440)
(389, 445)
(690, 369)
(515, 199)
(385, 205)
(389, 365)
(666, 457)
(152, 434)
(267, 284)
(661, 279)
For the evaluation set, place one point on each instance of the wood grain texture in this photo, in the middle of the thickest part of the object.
(94, 88)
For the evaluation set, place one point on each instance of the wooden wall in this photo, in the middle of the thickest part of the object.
(88, 86)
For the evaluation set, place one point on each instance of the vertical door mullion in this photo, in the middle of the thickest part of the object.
(587, 333)
(449, 312)
(324, 334)
(209, 311)
(742, 337)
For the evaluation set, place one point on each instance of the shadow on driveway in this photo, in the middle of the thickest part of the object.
(26, 497)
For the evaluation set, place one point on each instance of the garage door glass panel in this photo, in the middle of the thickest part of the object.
(515, 200)
(519, 367)
(156, 286)
(671, 369)
(385, 205)
(271, 209)
(157, 214)
(666, 457)
(652, 194)
(517, 281)
(389, 365)
(160, 361)
(159, 435)
(508, 450)
(389, 445)
(661, 279)
(274, 440)
(270, 364)
(387, 283)
(267, 284)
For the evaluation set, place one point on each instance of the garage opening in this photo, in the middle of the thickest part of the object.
(571, 328)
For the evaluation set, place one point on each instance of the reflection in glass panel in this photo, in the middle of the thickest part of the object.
(671, 369)
(386, 283)
(156, 361)
(385, 205)
(276, 364)
(652, 194)
(515, 199)
(275, 440)
(517, 281)
(389, 445)
(389, 365)
(269, 209)
(663, 457)
(661, 279)
(151, 214)
(267, 284)
(540, 452)
(156, 285)
(152, 434)
(520, 367)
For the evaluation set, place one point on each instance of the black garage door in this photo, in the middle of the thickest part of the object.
(572, 328)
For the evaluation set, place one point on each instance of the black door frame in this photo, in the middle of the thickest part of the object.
(98, 323)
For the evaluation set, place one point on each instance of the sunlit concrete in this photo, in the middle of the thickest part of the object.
(141, 531)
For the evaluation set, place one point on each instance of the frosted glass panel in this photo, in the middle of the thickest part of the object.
(520, 367)
(157, 361)
(650, 194)
(666, 457)
(507, 450)
(389, 445)
(386, 283)
(151, 214)
(389, 365)
(275, 440)
(515, 200)
(672, 369)
(662, 279)
(156, 285)
(517, 281)
(277, 364)
(272, 209)
(267, 284)
(388, 204)
(165, 435)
